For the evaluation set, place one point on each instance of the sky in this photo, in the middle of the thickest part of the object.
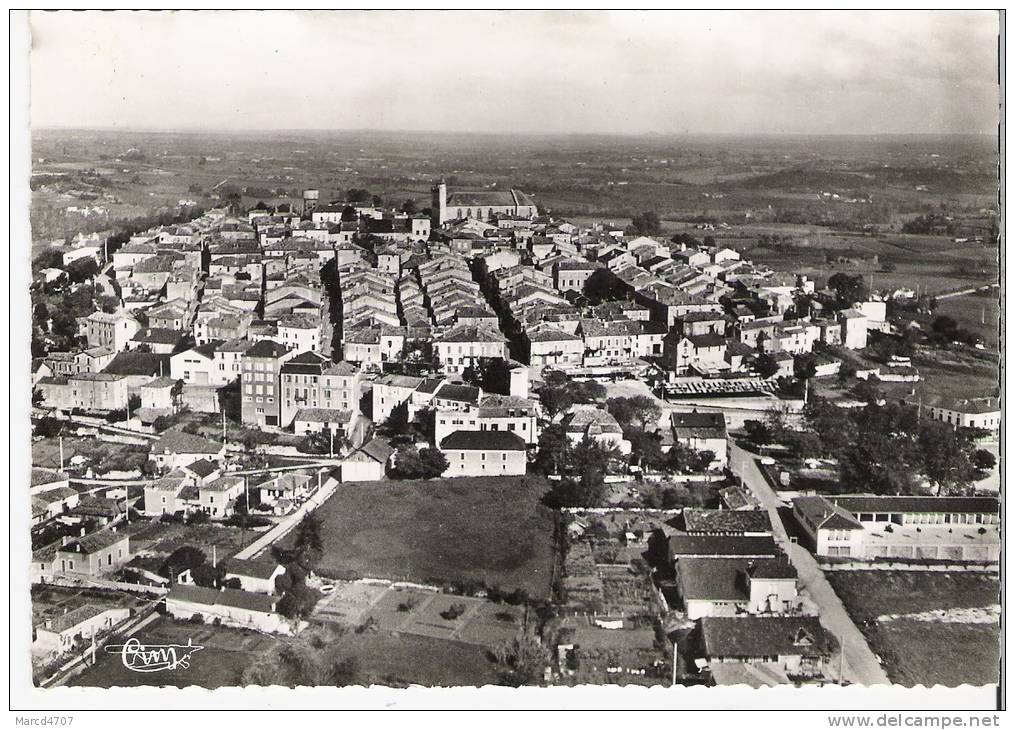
(567, 72)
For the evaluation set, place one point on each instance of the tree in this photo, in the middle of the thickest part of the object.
(884, 456)
(349, 214)
(426, 463)
(409, 207)
(523, 660)
(832, 425)
(492, 374)
(646, 224)
(766, 365)
(357, 195)
(944, 457)
(377, 201)
(47, 427)
(82, 270)
(635, 413)
(555, 399)
(309, 544)
(646, 449)
(603, 286)
(983, 460)
(848, 289)
(551, 451)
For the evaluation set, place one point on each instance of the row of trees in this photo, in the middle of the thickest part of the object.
(882, 449)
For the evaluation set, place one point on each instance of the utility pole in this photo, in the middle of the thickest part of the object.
(673, 678)
(331, 448)
(223, 426)
(61, 453)
(214, 556)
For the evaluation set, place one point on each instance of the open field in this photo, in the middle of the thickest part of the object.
(102, 456)
(491, 529)
(926, 652)
(226, 654)
(397, 659)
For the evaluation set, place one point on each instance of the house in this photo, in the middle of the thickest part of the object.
(255, 576)
(311, 381)
(59, 634)
(158, 340)
(260, 396)
(218, 498)
(94, 359)
(289, 488)
(736, 586)
(854, 328)
(160, 394)
(319, 420)
(238, 608)
(703, 353)
(176, 448)
(549, 345)
(389, 392)
(114, 331)
(94, 554)
(571, 274)
(592, 422)
(52, 503)
(702, 432)
(483, 453)
(464, 346)
(981, 413)
(196, 366)
(369, 463)
(869, 527)
(301, 332)
(102, 510)
(509, 413)
(796, 645)
(88, 391)
(166, 496)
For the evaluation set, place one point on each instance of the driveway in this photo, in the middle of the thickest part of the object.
(859, 664)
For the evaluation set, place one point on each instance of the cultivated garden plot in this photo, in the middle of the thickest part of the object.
(349, 602)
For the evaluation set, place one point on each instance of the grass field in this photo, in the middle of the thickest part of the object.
(493, 530)
(226, 653)
(921, 651)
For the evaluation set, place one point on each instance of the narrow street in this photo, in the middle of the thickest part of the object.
(859, 663)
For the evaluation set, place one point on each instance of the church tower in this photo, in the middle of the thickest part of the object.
(439, 203)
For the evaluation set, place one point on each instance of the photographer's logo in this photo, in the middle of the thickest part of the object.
(139, 657)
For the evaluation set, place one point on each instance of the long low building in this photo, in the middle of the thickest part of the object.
(927, 528)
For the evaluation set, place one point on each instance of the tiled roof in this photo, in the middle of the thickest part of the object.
(181, 442)
(764, 636)
(724, 520)
(698, 425)
(721, 545)
(483, 441)
(953, 505)
(456, 392)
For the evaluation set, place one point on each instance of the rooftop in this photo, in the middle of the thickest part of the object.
(763, 636)
(484, 441)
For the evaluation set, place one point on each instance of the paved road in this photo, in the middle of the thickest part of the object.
(859, 664)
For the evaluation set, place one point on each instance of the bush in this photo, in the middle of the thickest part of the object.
(453, 611)
(197, 618)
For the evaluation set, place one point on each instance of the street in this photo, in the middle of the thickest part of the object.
(859, 663)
